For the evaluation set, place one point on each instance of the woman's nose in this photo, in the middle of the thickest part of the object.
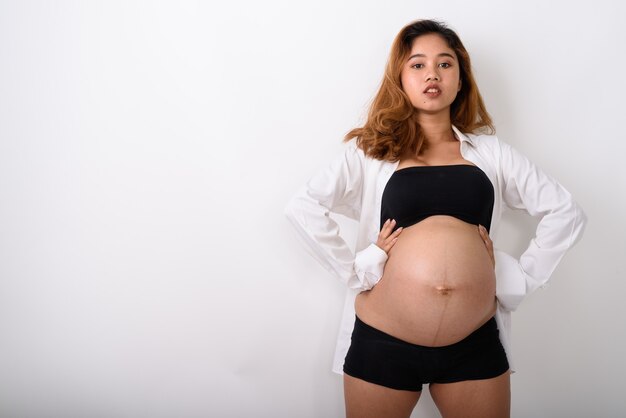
(432, 76)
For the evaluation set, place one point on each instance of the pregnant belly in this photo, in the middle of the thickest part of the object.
(438, 284)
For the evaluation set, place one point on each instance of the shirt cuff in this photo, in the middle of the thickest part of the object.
(510, 281)
(369, 264)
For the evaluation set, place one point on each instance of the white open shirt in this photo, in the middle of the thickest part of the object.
(353, 184)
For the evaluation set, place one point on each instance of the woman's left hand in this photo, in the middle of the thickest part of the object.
(488, 243)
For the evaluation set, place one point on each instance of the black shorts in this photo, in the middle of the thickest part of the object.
(380, 358)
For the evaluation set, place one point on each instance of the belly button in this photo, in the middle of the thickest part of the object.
(444, 290)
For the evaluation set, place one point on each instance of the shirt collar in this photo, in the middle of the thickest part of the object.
(461, 136)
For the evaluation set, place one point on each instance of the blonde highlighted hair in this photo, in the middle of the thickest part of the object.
(391, 129)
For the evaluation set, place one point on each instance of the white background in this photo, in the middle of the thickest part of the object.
(147, 150)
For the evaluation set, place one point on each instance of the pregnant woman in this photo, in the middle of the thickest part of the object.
(429, 298)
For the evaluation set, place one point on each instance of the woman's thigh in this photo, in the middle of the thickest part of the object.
(368, 400)
(487, 398)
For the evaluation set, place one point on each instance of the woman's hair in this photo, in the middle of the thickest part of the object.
(391, 128)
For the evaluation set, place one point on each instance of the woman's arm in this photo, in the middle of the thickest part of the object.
(561, 226)
(338, 189)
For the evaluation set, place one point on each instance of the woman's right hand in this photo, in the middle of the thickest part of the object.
(387, 238)
(488, 243)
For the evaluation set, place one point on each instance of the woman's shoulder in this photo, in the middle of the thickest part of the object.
(354, 151)
(484, 140)
(352, 160)
(489, 143)
(352, 147)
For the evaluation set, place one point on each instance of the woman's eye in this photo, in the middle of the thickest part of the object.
(417, 66)
(445, 65)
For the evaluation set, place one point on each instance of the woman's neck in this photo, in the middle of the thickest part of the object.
(436, 128)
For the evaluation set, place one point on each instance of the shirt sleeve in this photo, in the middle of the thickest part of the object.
(562, 223)
(338, 189)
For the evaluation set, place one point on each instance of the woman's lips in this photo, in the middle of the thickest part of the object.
(432, 91)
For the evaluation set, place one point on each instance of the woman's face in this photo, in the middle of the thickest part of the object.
(431, 74)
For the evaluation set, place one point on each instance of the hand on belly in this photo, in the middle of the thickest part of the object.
(438, 285)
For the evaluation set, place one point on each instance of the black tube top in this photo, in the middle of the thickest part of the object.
(415, 193)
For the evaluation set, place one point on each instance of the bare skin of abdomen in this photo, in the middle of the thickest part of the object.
(438, 284)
